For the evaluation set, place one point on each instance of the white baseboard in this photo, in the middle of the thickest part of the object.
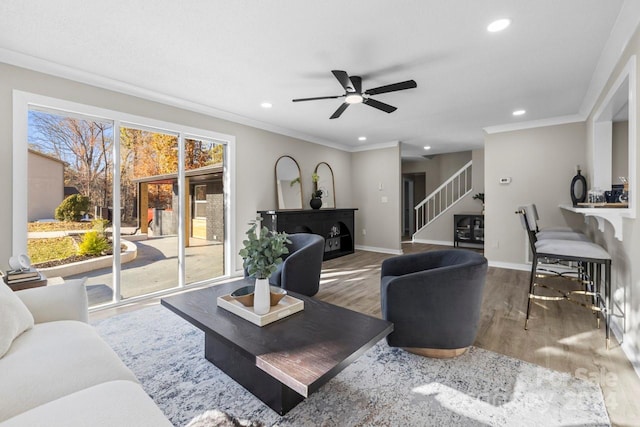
(434, 242)
(380, 250)
(628, 346)
(510, 265)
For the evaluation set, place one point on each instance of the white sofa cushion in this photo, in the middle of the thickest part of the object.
(52, 360)
(114, 403)
(15, 318)
(67, 301)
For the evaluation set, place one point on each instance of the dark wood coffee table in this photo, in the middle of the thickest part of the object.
(285, 361)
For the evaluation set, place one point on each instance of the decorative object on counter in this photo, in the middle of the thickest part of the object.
(624, 195)
(578, 188)
(288, 183)
(316, 195)
(480, 196)
(596, 195)
(262, 254)
(325, 182)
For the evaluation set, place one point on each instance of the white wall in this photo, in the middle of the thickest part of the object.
(257, 150)
(376, 193)
(626, 253)
(541, 163)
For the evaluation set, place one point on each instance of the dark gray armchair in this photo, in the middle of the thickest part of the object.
(300, 270)
(433, 299)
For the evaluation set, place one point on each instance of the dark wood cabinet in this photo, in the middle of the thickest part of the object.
(468, 228)
(335, 225)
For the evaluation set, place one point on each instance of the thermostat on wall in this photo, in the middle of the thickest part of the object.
(506, 180)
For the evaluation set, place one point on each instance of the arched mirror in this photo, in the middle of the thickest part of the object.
(288, 185)
(326, 184)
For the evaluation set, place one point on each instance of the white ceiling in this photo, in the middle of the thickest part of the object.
(232, 55)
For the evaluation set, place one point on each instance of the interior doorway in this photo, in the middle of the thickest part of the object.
(413, 192)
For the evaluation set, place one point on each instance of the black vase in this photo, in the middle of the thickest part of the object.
(315, 203)
(579, 186)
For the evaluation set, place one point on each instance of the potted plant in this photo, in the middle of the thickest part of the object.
(262, 253)
(480, 196)
(316, 195)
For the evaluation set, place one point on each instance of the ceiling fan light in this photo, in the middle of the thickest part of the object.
(353, 98)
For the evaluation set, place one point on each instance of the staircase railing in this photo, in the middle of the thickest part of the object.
(443, 197)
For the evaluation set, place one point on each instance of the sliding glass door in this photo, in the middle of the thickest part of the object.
(204, 206)
(155, 197)
(149, 196)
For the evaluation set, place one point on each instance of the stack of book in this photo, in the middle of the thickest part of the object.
(20, 276)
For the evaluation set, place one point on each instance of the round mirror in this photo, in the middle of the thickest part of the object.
(288, 185)
(326, 184)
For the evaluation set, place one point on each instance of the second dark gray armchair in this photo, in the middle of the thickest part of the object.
(433, 299)
(300, 269)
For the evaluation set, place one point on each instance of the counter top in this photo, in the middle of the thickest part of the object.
(612, 215)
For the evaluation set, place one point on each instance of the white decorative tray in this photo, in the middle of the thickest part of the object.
(286, 307)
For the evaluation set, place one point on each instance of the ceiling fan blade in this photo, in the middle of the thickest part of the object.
(357, 83)
(343, 78)
(316, 98)
(409, 84)
(339, 111)
(379, 105)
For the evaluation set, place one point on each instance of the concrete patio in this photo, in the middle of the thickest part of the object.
(156, 268)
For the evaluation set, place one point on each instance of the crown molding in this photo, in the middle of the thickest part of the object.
(378, 146)
(58, 70)
(552, 121)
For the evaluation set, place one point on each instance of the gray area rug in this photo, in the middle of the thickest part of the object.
(385, 386)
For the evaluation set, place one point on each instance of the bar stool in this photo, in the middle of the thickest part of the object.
(584, 253)
(558, 233)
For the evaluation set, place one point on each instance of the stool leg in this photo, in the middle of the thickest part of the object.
(534, 266)
(607, 297)
(596, 283)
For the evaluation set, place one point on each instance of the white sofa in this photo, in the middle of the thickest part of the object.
(56, 371)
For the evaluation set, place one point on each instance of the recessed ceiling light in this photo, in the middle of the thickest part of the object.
(427, 147)
(498, 25)
(266, 105)
(362, 138)
(518, 112)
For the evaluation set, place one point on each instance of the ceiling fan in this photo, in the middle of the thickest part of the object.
(354, 94)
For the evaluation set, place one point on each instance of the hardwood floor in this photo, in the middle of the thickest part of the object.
(561, 336)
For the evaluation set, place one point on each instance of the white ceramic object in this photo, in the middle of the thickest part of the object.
(19, 262)
(262, 297)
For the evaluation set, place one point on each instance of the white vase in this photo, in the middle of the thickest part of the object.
(261, 297)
